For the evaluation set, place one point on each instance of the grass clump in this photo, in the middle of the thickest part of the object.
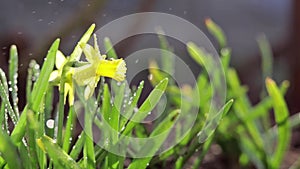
(42, 137)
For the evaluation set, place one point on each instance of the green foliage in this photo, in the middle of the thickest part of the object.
(118, 109)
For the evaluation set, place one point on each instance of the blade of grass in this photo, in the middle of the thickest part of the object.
(25, 157)
(267, 56)
(110, 51)
(119, 90)
(39, 132)
(167, 60)
(88, 149)
(204, 151)
(33, 74)
(69, 129)
(111, 115)
(61, 107)
(58, 156)
(128, 112)
(38, 92)
(208, 132)
(2, 162)
(225, 58)
(5, 100)
(77, 148)
(210, 126)
(283, 124)
(163, 128)
(13, 76)
(217, 32)
(147, 105)
(40, 87)
(9, 151)
(32, 126)
(3, 113)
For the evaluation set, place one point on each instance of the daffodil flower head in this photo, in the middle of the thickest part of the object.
(97, 66)
(64, 72)
(55, 76)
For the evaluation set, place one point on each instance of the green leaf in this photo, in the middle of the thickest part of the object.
(76, 149)
(33, 73)
(204, 151)
(56, 154)
(147, 106)
(110, 51)
(161, 132)
(5, 100)
(283, 124)
(41, 85)
(135, 98)
(3, 110)
(167, 57)
(38, 92)
(9, 151)
(267, 56)
(119, 90)
(13, 75)
(216, 31)
(69, 129)
(210, 126)
(106, 108)
(196, 53)
(111, 115)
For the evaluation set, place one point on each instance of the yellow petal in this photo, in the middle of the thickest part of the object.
(115, 69)
(88, 52)
(60, 59)
(96, 49)
(88, 92)
(71, 95)
(54, 75)
(67, 89)
(84, 74)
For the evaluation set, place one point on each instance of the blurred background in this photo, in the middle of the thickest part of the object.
(33, 25)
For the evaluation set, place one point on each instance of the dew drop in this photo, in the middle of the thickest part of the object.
(36, 66)
(150, 77)
(50, 123)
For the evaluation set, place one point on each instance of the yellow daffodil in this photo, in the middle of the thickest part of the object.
(97, 66)
(55, 76)
(63, 66)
